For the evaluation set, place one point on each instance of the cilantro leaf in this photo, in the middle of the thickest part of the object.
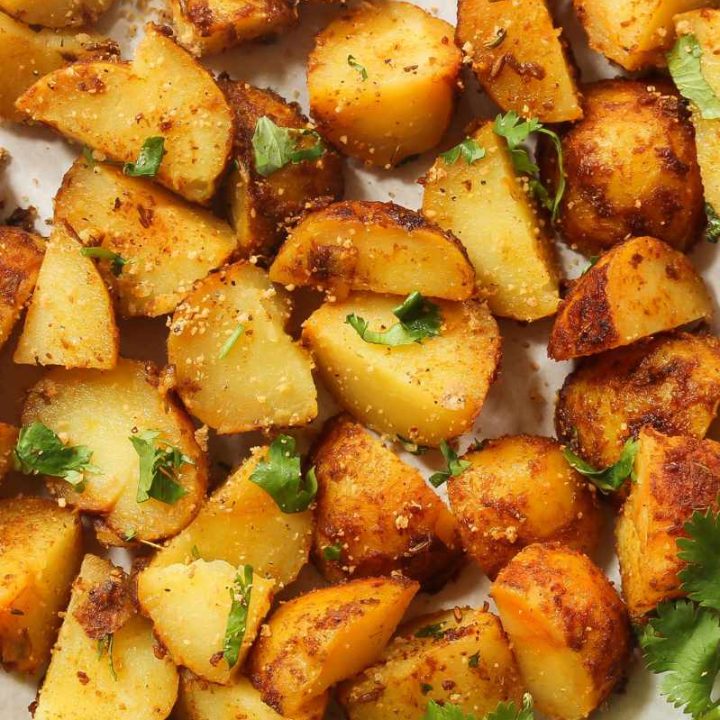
(159, 463)
(610, 478)
(332, 552)
(469, 150)
(105, 647)
(447, 711)
(685, 65)
(455, 466)
(509, 711)
(281, 478)
(274, 146)
(701, 551)
(237, 618)
(434, 631)
(230, 342)
(149, 159)
(712, 229)
(355, 65)
(117, 262)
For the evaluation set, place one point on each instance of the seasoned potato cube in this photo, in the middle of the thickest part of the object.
(102, 410)
(485, 206)
(638, 288)
(236, 368)
(40, 552)
(382, 81)
(56, 13)
(99, 103)
(90, 677)
(460, 656)
(8, 437)
(391, 389)
(70, 320)
(568, 628)
(519, 57)
(382, 247)
(307, 648)
(189, 606)
(375, 514)
(519, 490)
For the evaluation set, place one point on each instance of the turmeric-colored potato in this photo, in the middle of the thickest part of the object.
(56, 13)
(8, 438)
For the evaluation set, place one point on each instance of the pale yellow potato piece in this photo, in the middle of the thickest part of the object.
(115, 107)
(70, 320)
(426, 392)
(262, 378)
(168, 243)
(56, 13)
(8, 437)
(486, 207)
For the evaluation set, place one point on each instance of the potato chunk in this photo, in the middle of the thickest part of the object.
(189, 606)
(56, 13)
(307, 648)
(638, 288)
(391, 389)
(40, 552)
(70, 320)
(378, 111)
(99, 103)
(489, 211)
(236, 368)
(128, 680)
(467, 662)
(568, 628)
(101, 410)
(382, 247)
(8, 438)
(375, 514)
(519, 490)
(519, 57)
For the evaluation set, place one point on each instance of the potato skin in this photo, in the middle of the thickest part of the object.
(631, 168)
(517, 491)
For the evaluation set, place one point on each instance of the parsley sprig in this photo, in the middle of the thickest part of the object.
(236, 627)
(469, 150)
(685, 65)
(609, 479)
(504, 711)
(274, 146)
(455, 466)
(159, 465)
(149, 158)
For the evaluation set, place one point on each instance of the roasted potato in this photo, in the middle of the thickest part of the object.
(262, 207)
(670, 383)
(115, 107)
(166, 243)
(56, 13)
(638, 288)
(126, 677)
(8, 437)
(236, 368)
(102, 410)
(375, 514)
(70, 320)
(381, 81)
(426, 392)
(489, 210)
(457, 656)
(519, 490)
(40, 553)
(519, 57)
(630, 168)
(324, 636)
(567, 626)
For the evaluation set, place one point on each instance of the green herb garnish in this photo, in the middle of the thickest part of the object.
(469, 150)
(230, 342)
(410, 446)
(332, 552)
(274, 146)
(149, 159)
(237, 619)
(474, 660)
(685, 65)
(712, 229)
(117, 262)
(105, 647)
(455, 466)
(609, 479)
(159, 464)
(434, 631)
(355, 65)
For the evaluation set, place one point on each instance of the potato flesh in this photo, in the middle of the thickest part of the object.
(487, 208)
(56, 13)
(8, 438)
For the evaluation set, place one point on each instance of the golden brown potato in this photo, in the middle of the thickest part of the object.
(236, 368)
(167, 243)
(102, 410)
(382, 81)
(307, 648)
(392, 389)
(630, 168)
(489, 210)
(8, 437)
(262, 207)
(670, 383)
(519, 490)
(99, 103)
(519, 57)
(375, 514)
(459, 656)
(40, 552)
(567, 626)
(56, 13)
(638, 288)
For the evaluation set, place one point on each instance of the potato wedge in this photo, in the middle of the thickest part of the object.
(638, 288)
(306, 649)
(56, 13)
(70, 320)
(395, 99)
(382, 247)
(8, 438)
(568, 628)
(390, 389)
(489, 211)
(167, 244)
(519, 57)
(40, 553)
(457, 656)
(99, 103)
(375, 514)
(128, 680)
(101, 410)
